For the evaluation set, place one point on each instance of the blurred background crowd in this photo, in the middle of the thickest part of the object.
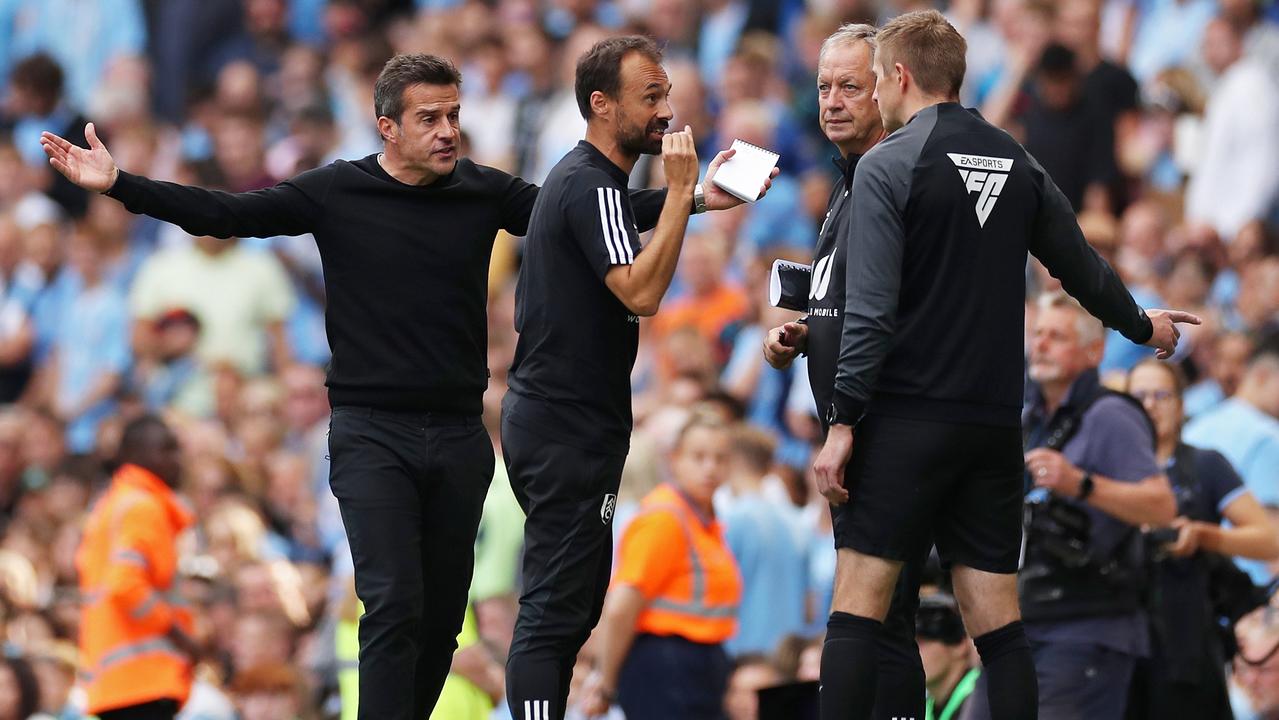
(1159, 119)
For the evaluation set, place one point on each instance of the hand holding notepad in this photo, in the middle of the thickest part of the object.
(746, 173)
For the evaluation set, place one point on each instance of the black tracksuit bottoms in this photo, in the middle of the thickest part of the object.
(569, 495)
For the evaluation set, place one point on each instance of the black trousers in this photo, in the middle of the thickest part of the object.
(411, 488)
(568, 495)
(154, 710)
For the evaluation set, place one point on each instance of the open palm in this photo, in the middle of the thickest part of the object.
(92, 169)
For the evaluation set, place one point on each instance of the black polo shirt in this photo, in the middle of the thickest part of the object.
(570, 380)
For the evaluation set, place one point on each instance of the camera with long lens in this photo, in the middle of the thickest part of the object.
(1056, 531)
(938, 619)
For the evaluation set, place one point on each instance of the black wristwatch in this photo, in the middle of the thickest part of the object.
(1086, 486)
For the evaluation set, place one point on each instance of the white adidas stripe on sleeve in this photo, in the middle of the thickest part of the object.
(623, 238)
(606, 224)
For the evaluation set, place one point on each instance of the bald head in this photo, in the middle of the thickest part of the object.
(149, 443)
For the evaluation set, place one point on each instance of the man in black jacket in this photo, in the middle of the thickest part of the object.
(405, 238)
(930, 365)
(850, 120)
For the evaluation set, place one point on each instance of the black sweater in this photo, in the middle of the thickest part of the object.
(405, 267)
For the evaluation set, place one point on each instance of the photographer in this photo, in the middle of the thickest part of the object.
(1081, 584)
(1185, 675)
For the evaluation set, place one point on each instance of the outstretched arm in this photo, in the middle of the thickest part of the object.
(290, 208)
(1060, 245)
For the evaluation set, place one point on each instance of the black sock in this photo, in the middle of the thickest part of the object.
(849, 667)
(900, 691)
(1011, 686)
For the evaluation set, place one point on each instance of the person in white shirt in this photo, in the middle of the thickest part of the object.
(1237, 178)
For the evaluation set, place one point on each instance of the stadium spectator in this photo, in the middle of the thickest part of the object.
(17, 298)
(136, 641)
(708, 301)
(1256, 666)
(90, 354)
(35, 103)
(751, 673)
(240, 297)
(1071, 136)
(1105, 82)
(1221, 378)
(675, 596)
(270, 691)
(1260, 38)
(1234, 181)
(1184, 672)
(171, 376)
(1167, 34)
(84, 40)
(762, 532)
(1245, 427)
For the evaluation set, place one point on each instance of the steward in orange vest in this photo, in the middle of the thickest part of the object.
(674, 598)
(135, 641)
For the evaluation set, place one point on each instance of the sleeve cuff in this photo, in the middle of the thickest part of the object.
(1146, 330)
(120, 188)
(845, 410)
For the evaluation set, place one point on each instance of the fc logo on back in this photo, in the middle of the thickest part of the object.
(607, 508)
(985, 176)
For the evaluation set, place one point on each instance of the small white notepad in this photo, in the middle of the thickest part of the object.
(744, 173)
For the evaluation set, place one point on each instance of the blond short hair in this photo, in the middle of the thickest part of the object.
(930, 46)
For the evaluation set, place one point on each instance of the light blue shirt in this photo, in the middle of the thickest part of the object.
(718, 38)
(1169, 34)
(92, 340)
(84, 36)
(1248, 437)
(773, 222)
(1122, 353)
(1202, 397)
(774, 574)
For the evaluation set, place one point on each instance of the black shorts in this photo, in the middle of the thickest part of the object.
(914, 482)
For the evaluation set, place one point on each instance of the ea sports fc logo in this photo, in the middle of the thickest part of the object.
(607, 508)
(985, 176)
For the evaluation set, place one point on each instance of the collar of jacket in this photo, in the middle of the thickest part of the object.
(142, 479)
(847, 166)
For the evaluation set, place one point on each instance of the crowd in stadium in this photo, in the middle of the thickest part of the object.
(1158, 119)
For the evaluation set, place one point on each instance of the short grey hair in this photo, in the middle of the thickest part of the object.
(1089, 328)
(848, 34)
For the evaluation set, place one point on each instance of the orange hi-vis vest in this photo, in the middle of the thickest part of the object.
(127, 563)
(684, 569)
